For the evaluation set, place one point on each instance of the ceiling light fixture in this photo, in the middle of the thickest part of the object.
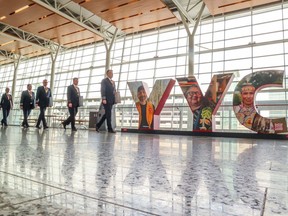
(4, 44)
(21, 9)
(234, 3)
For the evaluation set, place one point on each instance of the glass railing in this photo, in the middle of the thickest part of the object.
(177, 117)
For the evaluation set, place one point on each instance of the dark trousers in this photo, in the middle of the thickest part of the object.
(107, 116)
(71, 119)
(5, 115)
(26, 113)
(42, 117)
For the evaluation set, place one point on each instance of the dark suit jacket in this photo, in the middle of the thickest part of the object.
(42, 98)
(27, 101)
(5, 102)
(72, 96)
(108, 91)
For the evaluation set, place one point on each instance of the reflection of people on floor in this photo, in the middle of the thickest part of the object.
(3, 146)
(105, 164)
(4, 155)
(40, 157)
(145, 109)
(147, 163)
(202, 167)
(70, 160)
(106, 167)
(24, 152)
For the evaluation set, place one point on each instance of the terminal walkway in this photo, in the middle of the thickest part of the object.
(57, 172)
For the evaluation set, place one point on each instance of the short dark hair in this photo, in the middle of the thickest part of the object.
(108, 71)
(140, 88)
(75, 78)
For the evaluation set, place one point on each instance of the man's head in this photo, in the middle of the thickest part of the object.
(75, 81)
(141, 94)
(7, 90)
(194, 96)
(109, 73)
(45, 82)
(29, 87)
(247, 94)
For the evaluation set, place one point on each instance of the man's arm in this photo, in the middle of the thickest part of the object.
(11, 101)
(22, 100)
(69, 96)
(103, 89)
(38, 95)
(2, 101)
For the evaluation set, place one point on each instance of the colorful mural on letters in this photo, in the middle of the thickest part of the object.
(149, 106)
(205, 107)
(244, 101)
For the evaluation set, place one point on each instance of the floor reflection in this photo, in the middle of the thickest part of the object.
(70, 160)
(201, 165)
(89, 173)
(147, 164)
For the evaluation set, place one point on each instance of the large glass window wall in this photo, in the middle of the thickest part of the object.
(242, 43)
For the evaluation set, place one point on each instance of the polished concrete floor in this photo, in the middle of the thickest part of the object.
(56, 172)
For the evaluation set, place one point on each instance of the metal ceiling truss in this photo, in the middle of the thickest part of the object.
(190, 5)
(20, 35)
(184, 11)
(9, 55)
(81, 16)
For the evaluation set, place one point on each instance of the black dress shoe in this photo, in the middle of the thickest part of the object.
(38, 127)
(64, 125)
(97, 129)
(46, 127)
(74, 129)
(111, 131)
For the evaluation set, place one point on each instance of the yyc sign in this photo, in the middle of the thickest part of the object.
(204, 107)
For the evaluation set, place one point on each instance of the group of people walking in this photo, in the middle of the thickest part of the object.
(43, 99)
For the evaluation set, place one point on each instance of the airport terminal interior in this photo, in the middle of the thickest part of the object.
(166, 171)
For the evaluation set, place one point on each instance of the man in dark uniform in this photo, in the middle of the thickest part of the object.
(73, 95)
(43, 97)
(108, 100)
(6, 105)
(27, 103)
